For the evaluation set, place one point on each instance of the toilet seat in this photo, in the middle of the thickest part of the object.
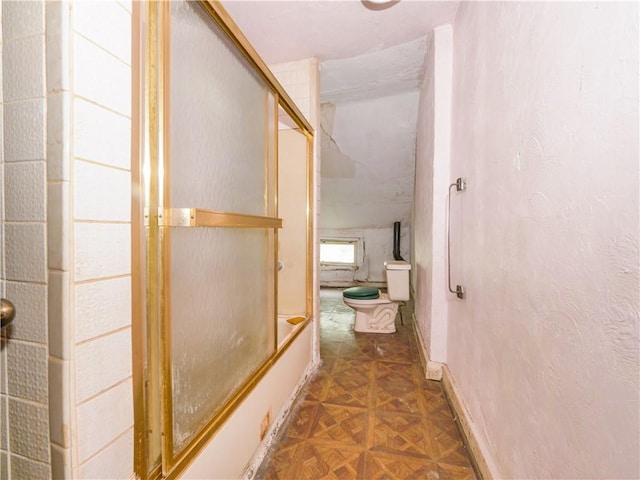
(361, 293)
(383, 298)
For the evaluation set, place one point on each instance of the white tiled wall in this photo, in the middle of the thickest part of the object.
(24, 416)
(89, 106)
(102, 239)
(25, 192)
(105, 461)
(296, 78)
(95, 300)
(59, 244)
(98, 144)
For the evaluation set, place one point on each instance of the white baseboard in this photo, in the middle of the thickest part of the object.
(484, 467)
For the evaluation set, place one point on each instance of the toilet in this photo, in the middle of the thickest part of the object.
(376, 311)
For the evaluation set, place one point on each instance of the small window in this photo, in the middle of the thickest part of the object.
(338, 252)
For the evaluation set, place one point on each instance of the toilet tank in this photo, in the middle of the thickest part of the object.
(397, 280)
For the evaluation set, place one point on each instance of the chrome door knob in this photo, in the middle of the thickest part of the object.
(7, 312)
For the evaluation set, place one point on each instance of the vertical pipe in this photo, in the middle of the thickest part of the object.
(396, 241)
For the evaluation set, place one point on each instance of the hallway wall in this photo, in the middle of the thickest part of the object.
(544, 349)
(433, 152)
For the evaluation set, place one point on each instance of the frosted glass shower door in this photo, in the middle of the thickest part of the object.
(219, 238)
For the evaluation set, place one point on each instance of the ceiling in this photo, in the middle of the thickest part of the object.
(372, 64)
(284, 31)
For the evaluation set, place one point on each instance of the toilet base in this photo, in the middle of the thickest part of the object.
(379, 318)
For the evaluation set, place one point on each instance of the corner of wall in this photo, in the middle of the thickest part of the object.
(432, 180)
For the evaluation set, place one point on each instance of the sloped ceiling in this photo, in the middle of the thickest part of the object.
(372, 63)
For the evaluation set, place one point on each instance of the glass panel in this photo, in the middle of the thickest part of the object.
(292, 208)
(219, 119)
(222, 314)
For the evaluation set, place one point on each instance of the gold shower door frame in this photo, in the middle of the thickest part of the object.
(152, 221)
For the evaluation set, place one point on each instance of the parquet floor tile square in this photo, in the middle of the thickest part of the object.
(397, 372)
(400, 434)
(395, 353)
(341, 425)
(368, 413)
(349, 391)
(331, 463)
(352, 366)
(445, 445)
(318, 387)
(393, 467)
(280, 463)
(398, 397)
(303, 420)
(358, 350)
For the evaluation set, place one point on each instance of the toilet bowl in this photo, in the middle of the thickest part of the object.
(375, 315)
(376, 311)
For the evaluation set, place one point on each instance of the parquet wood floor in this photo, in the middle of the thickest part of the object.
(368, 413)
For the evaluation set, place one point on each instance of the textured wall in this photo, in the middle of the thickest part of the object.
(423, 201)
(368, 154)
(544, 348)
(432, 181)
(24, 394)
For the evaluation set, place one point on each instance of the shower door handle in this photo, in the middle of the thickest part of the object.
(460, 185)
(7, 312)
